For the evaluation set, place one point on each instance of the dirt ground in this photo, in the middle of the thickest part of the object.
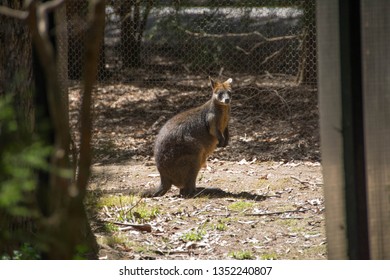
(259, 198)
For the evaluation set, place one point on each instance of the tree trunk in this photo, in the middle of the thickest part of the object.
(16, 78)
(16, 65)
(61, 226)
(134, 15)
(307, 70)
(64, 224)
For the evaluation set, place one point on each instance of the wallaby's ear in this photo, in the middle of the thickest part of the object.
(228, 81)
(212, 82)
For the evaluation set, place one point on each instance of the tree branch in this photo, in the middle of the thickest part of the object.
(94, 37)
(299, 210)
(50, 6)
(6, 11)
(230, 35)
(254, 33)
(23, 15)
(140, 227)
(37, 18)
(267, 40)
(273, 55)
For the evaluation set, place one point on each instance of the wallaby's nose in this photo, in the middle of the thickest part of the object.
(227, 100)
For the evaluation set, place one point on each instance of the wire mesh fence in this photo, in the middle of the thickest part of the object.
(268, 47)
(258, 37)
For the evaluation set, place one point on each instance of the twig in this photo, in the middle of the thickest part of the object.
(143, 227)
(172, 252)
(284, 101)
(303, 182)
(247, 34)
(135, 205)
(259, 91)
(262, 91)
(300, 210)
(266, 40)
(273, 55)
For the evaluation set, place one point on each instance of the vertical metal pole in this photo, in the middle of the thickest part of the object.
(353, 129)
(332, 148)
(342, 128)
(376, 73)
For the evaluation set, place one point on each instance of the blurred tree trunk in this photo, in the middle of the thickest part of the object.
(16, 65)
(307, 70)
(62, 229)
(44, 124)
(65, 226)
(16, 78)
(134, 15)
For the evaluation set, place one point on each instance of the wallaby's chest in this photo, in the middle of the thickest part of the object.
(220, 117)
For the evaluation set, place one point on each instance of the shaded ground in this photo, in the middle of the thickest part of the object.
(261, 196)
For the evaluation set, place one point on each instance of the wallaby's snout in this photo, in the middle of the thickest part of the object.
(224, 97)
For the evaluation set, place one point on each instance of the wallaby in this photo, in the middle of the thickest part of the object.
(186, 140)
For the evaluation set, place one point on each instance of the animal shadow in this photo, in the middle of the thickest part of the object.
(219, 193)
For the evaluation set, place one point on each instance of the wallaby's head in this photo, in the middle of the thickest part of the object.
(222, 91)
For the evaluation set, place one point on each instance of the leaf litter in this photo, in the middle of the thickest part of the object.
(271, 167)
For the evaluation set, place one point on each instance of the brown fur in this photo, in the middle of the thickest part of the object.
(186, 140)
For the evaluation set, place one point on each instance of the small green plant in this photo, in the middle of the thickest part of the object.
(81, 251)
(114, 240)
(128, 208)
(110, 228)
(22, 155)
(116, 200)
(269, 256)
(194, 235)
(242, 255)
(240, 206)
(143, 213)
(221, 226)
(25, 252)
(141, 249)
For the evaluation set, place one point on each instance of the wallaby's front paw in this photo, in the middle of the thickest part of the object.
(222, 142)
(225, 143)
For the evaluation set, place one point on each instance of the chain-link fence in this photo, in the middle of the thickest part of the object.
(268, 47)
(161, 38)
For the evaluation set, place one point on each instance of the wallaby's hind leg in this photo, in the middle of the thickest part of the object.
(165, 185)
(189, 187)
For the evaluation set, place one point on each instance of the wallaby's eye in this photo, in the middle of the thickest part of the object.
(223, 94)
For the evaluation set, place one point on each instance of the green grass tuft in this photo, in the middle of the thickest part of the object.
(242, 255)
(221, 226)
(193, 235)
(269, 256)
(240, 206)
